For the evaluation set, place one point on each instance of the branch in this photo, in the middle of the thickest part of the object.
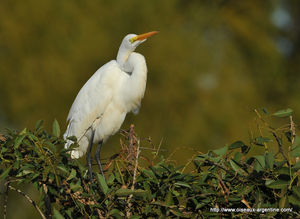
(128, 214)
(5, 202)
(29, 199)
(280, 150)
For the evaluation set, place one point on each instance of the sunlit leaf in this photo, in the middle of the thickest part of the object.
(260, 141)
(221, 151)
(183, 184)
(57, 214)
(283, 113)
(295, 149)
(269, 157)
(56, 129)
(102, 183)
(72, 175)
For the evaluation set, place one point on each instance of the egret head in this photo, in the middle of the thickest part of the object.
(131, 41)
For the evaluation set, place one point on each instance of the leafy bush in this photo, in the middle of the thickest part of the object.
(228, 181)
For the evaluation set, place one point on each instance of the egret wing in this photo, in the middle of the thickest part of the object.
(92, 100)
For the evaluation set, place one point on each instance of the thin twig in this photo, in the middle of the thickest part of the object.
(158, 149)
(132, 142)
(293, 130)
(280, 150)
(128, 213)
(5, 202)
(29, 199)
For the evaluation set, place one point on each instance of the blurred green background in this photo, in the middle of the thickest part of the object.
(212, 63)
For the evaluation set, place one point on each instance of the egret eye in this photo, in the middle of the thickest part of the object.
(133, 39)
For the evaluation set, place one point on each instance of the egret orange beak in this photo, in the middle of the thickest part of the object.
(143, 36)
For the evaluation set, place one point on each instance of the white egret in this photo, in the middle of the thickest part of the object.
(103, 102)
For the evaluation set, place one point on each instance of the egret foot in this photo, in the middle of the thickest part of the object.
(97, 156)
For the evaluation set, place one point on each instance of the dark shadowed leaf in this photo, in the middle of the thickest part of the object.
(237, 144)
(276, 184)
(294, 200)
(296, 190)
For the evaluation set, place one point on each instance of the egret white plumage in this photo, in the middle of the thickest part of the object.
(102, 103)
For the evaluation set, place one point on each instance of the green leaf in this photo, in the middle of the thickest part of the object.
(237, 156)
(127, 192)
(75, 187)
(294, 200)
(56, 129)
(296, 166)
(116, 213)
(38, 124)
(276, 184)
(269, 158)
(19, 140)
(283, 202)
(24, 131)
(169, 199)
(134, 217)
(5, 173)
(221, 151)
(102, 183)
(72, 175)
(182, 184)
(284, 171)
(283, 113)
(237, 168)
(295, 149)
(63, 169)
(237, 144)
(260, 141)
(57, 214)
(296, 190)
(261, 160)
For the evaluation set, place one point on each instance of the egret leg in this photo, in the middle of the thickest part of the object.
(89, 158)
(97, 156)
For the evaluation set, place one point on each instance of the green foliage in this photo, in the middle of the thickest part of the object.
(229, 177)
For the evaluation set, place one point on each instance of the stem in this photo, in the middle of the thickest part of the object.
(280, 150)
(29, 199)
(128, 213)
